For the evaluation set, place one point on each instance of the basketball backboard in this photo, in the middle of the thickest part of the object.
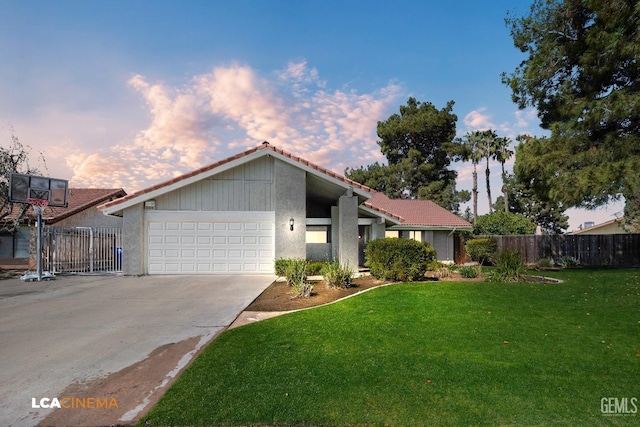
(25, 188)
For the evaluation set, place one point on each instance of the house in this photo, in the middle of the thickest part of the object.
(15, 248)
(609, 227)
(241, 213)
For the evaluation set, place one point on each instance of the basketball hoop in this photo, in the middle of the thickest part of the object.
(38, 204)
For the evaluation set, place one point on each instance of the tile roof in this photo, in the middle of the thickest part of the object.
(264, 146)
(78, 200)
(423, 213)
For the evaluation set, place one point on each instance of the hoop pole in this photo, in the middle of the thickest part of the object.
(39, 244)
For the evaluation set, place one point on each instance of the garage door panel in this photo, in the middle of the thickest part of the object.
(202, 247)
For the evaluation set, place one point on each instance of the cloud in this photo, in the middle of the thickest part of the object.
(478, 120)
(232, 108)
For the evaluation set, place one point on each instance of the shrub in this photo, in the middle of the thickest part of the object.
(280, 266)
(544, 263)
(482, 250)
(398, 259)
(470, 271)
(336, 275)
(509, 267)
(314, 268)
(295, 271)
(439, 269)
(503, 223)
(569, 262)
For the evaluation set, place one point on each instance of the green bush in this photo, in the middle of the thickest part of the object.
(482, 250)
(544, 263)
(503, 223)
(280, 266)
(569, 262)
(314, 268)
(295, 271)
(470, 271)
(336, 275)
(398, 259)
(509, 267)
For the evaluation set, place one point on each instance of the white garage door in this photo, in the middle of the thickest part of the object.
(210, 247)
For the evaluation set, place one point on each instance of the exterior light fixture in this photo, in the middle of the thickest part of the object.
(291, 224)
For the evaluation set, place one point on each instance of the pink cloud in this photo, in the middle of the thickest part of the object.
(232, 108)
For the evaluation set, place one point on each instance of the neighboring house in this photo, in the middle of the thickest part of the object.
(81, 211)
(241, 213)
(610, 227)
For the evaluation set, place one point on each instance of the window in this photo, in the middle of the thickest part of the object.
(415, 235)
(318, 234)
(392, 233)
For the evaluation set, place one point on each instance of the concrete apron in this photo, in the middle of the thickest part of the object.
(80, 328)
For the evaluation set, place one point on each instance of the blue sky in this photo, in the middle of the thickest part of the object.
(130, 93)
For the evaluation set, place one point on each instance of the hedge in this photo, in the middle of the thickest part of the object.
(398, 259)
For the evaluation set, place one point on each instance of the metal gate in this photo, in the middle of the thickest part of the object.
(82, 249)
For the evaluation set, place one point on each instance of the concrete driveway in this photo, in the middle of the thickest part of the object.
(79, 328)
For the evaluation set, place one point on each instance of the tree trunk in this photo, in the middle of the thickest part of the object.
(475, 195)
(505, 194)
(487, 173)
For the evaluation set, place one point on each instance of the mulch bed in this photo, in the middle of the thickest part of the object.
(280, 297)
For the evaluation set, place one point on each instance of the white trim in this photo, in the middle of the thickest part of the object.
(318, 221)
(379, 214)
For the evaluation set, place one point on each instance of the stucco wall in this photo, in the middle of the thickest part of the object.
(443, 244)
(91, 217)
(290, 202)
(319, 251)
(348, 231)
(133, 258)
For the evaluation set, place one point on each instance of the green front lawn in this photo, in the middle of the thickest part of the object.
(434, 353)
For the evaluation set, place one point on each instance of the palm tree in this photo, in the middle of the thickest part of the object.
(488, 146)
(502, 154)
(471, 151)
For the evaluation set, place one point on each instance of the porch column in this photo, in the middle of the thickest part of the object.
(133, 256)
(348, 230)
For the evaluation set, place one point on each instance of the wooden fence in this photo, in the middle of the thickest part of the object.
(615, 250)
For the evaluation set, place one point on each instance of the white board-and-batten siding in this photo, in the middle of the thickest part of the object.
(248, 187)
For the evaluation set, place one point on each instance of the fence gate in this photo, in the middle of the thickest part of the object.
(82, 249)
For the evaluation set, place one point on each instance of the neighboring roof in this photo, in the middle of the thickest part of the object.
(263, 149)
(599, 227)
(413, 212)
(78, 200)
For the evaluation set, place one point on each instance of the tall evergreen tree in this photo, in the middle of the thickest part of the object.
(582, 74)
(418, 146)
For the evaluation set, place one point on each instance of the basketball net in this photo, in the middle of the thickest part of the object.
(38, 205)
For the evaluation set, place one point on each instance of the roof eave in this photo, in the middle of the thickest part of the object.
(380, 214)
(431, 227)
